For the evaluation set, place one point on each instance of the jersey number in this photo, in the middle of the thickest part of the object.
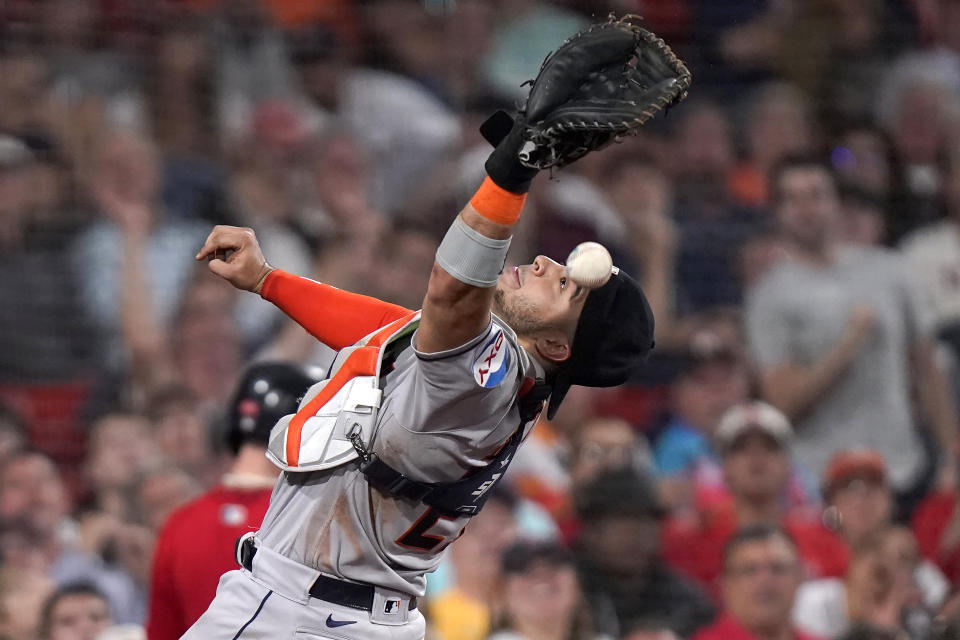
(417, 537)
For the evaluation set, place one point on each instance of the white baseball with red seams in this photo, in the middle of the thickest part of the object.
(590, 265)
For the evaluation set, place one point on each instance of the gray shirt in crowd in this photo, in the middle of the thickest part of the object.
(798, 311)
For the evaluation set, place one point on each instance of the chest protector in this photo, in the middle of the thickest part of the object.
(337, 419)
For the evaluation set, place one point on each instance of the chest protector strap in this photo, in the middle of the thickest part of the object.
(464, 497)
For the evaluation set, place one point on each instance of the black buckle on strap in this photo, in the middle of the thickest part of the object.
(391, 481)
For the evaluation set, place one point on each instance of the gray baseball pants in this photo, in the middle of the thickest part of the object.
(272, 602)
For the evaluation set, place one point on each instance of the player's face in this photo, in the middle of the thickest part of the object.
(537, 296)
(808, 208)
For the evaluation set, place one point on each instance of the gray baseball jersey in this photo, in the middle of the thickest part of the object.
(442, 415)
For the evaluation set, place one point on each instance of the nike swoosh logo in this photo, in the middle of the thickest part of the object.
(338, 623)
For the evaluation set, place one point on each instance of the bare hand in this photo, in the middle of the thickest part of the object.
(235, 256)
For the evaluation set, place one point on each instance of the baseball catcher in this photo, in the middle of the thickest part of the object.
(386, 460)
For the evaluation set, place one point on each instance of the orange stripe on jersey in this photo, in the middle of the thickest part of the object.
(362, 362)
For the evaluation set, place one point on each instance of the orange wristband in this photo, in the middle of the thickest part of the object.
(497, 204)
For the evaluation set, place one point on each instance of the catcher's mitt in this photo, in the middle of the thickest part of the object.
(600, 85)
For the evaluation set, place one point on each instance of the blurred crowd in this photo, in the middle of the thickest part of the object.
(786, 466)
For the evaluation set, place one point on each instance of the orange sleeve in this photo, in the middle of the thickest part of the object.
(333, 316)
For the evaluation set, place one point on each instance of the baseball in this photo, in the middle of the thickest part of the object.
(590, 265)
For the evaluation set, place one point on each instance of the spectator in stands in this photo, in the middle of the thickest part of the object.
(865, 160)
(711, 227)
(761, 573)
(861, 37)
(403, 128)
(121, 448)
(778, 124)
(33, 498)
(541, 597)
(860, 502)
(841, 359)
(76, 611)
(251, 65)
(266, 193)
(44, 337)
(206, 346)
(713, 378)
(920, 113)
(599, 445)
(181, 101)
(86, 76)
(133, 265)
(605, 444)
(754, 441)
(879, 591)
(620, 566)
(932, 256)
(179, 426)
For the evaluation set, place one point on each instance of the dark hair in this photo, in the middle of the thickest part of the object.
(518, 558)
(791, 163)
(66, 591)
(619, 493)
(521, 556)
(754, 533)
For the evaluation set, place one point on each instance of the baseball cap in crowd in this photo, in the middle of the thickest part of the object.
(853, 464)
(621, 492)
(754, 416)
(614, 333)
(522, 556)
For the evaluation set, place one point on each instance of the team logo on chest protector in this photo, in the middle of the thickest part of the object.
(491, 366)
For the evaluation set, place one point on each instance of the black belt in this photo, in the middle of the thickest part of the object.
(346, 594)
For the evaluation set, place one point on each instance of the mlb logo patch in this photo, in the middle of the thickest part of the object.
(491, 366)
(391, 606)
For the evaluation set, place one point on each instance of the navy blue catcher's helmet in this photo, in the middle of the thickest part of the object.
(267, 392)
